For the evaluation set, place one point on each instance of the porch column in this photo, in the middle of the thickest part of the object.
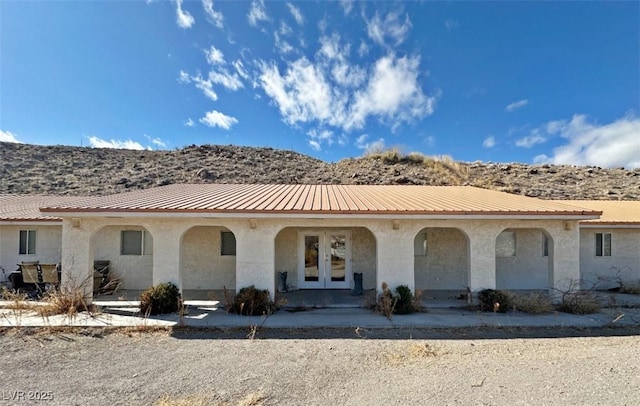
(77, 257)
(166, 236)
(255, 255)
(394, 255)
(565, 266)
(482, 257)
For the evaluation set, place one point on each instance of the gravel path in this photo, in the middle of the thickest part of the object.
(133, 368)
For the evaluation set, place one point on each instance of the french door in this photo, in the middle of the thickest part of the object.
(324, 260)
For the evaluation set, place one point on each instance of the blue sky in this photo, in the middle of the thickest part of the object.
(554, 82)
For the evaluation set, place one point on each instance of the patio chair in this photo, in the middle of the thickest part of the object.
(29, 273)
(50, 274)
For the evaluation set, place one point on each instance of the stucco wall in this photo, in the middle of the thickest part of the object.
(528, 269)
(445, 265)
(202, 266)
(363, 254)
(48, 245)
(625, 255)
(136, 271)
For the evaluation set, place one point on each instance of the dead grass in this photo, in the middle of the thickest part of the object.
(411, 352)
(532, 303)
(252, 399)
(630, 288)
(580, 302)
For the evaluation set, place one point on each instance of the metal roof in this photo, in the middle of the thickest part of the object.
(27, 207)
(614, 212)
(319, 199)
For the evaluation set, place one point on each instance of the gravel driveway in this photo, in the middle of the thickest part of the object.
(318, 367)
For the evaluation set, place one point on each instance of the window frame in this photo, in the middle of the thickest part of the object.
(603, 245)
(141, 243)
(30, 244)
(227, 238)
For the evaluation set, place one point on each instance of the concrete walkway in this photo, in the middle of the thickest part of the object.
(210, 314)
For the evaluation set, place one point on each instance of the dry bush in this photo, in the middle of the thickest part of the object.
(495, 300)
(388, 156)
(65, 301)
(631, 288)
(415, 157)
(160, 299)
(252, 301)
(579, 302)
(386, 301)
(533, 303)
(18, 301)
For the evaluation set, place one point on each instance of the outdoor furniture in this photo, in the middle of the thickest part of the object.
(100, 275)
(30, 274)
(50, 274)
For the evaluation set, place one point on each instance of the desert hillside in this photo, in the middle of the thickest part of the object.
(33, 169)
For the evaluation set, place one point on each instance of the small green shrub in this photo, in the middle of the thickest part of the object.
(250, 301)
(161, 299)
(582, 302)
(405, 301)
(533, 303)
(495, 300)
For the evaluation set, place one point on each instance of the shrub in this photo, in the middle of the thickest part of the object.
(631, 288)
(533, 303)
(583, 302)
(405, 301)
(161, 299)
(250, 301)
(495, 300)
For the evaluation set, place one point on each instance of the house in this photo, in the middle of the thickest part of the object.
(610, 245)
(26, 234)
(211, 236)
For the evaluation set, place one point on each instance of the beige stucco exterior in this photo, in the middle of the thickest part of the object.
(528, 269)
(48, 243)
(443, 262)
(185, 249)
(624, 262)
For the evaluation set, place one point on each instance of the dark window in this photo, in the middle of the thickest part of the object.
(603, 244)
(227, 243)
(27, 242)
(131, 242)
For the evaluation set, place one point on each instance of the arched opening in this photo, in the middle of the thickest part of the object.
(207, 262)
(441, 259)
(127, 251)
(524, 259)
(321, 263)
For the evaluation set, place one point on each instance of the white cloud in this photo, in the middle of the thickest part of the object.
(189, 123)
(96, 142)
(183, 77)
(393, 93)
(608, 145)
(283, 46)
(517, 105)
(347, 6)
(214, 56)
(206, 86)
(225, 78)
(6, 136)
(183, 18)
(257, 12)
(362, 142)
(296, 13)
(215, 17)
(240, 69)
(489, 142)
(158, 142)
(391, 28)
(319, 137)
(215, 118)
(530, 140)
(451, 24)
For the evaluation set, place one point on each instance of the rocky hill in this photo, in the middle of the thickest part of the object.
(32, 169)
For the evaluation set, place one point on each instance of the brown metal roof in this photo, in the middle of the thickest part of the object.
(613, 211)
(320, 199)
(27, 208)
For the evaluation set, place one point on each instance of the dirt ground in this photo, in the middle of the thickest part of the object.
(320, 367)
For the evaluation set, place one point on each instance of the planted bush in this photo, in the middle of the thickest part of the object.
(492, 300)
(582, 302)
(161, 299)
(533, 303)
(250, 301)
(405, 300)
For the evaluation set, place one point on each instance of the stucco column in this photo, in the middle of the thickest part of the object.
(565, 267)
(482, 257)
(395, 255)
(255, 255)
(166, 251)
(77, 257)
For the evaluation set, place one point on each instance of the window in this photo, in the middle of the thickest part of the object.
(603, 244)
(135, 242)
(420, 245)
(227, 243)
(506, 244)
(27, 242)
(545, 245)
